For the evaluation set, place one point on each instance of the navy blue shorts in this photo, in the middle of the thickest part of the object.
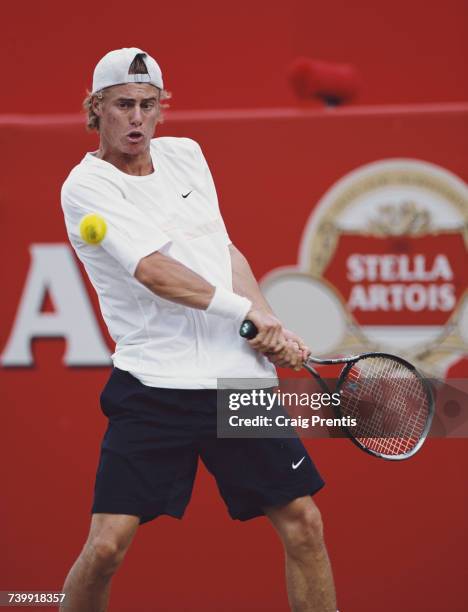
(150, 451)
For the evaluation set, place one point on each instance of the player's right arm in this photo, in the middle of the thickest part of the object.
(171, 280)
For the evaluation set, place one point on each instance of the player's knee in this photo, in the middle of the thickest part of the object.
(304, 532)
(105, 555)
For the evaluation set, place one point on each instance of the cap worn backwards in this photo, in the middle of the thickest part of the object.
(113, 69)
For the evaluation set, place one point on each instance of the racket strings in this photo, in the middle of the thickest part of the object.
(389, 403)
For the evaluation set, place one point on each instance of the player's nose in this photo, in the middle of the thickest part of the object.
(136, 118)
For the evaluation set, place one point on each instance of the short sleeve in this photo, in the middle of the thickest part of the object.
(130, 235)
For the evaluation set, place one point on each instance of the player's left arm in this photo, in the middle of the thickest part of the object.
(245, 284)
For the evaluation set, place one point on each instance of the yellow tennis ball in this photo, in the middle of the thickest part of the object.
(93, 228)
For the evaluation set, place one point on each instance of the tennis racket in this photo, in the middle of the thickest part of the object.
(389, 401)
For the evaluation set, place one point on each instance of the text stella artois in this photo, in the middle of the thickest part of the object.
(404, 280)
(397, 282)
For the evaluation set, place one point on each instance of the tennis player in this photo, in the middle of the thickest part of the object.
(173, 291)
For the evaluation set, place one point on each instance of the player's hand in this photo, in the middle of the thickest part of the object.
(289, 335)
(270, 337)
(292, 356)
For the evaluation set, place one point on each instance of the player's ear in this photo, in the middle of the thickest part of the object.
(97, 104)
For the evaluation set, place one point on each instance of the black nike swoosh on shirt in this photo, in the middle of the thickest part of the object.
(185, 195)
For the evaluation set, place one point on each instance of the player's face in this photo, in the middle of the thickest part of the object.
(127, 117)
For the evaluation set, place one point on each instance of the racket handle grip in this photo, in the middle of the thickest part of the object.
(248, 330)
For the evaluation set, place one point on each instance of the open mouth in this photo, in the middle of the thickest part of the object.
(135, 136)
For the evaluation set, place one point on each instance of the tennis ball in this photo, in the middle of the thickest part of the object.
(93, 228)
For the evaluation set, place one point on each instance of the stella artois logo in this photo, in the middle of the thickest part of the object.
(383, 265)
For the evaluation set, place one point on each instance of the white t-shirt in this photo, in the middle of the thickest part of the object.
(161, 343)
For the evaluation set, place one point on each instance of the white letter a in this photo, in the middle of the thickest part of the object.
(53, 270)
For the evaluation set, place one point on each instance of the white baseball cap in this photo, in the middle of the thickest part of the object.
(113, 69)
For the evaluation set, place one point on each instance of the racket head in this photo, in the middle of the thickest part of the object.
(392, 403)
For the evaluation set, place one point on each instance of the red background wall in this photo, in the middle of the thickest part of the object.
(396, 533)
(220, 54)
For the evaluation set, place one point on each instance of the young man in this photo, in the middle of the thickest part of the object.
(173, 291)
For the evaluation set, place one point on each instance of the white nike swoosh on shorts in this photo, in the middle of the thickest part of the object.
(296, 465)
